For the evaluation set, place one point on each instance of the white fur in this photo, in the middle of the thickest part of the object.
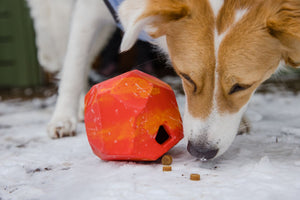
(217, 42)
(216, 5)
(90, 30)
(131, 35)
(281, 68)
(239, 14)
(52, 20)
(129, 12)
(85, 29)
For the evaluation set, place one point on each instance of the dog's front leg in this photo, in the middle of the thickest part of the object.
(89, 21)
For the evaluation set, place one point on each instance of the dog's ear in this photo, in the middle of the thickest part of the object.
(150, 16)
(284, 24)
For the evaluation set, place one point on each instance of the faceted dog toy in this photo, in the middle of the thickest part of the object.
(133, 116)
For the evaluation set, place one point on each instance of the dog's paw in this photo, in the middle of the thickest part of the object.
(244, 126)
(62, 128)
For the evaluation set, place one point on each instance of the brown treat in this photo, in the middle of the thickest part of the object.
(167, 168)
(166, 160)
(195, 177)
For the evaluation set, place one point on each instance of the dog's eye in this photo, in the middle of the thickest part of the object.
(190, 80)
(237, 87)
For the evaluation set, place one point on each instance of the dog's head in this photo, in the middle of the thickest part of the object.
(222, 50)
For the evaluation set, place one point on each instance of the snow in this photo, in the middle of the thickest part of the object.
(264, 164)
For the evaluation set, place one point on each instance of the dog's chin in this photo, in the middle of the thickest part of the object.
(224, 146)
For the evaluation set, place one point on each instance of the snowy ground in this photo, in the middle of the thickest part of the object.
(262, 165)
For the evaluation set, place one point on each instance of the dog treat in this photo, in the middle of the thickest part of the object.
(195, 177)
(167, 168)
(166, 160)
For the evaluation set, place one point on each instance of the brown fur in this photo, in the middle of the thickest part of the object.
(249, 53)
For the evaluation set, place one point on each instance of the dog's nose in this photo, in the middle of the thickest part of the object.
(202, 151)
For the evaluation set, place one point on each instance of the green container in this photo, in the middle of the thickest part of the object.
(18, 55)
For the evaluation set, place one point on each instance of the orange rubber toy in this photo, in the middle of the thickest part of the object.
(133, 116)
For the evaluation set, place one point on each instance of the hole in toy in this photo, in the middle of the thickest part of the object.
(162, 136)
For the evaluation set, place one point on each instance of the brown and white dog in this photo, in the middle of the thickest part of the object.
(222, 50)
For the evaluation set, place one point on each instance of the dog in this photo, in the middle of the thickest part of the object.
(70, 33)
(221, 49)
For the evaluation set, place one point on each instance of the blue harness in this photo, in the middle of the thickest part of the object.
(113, 6)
